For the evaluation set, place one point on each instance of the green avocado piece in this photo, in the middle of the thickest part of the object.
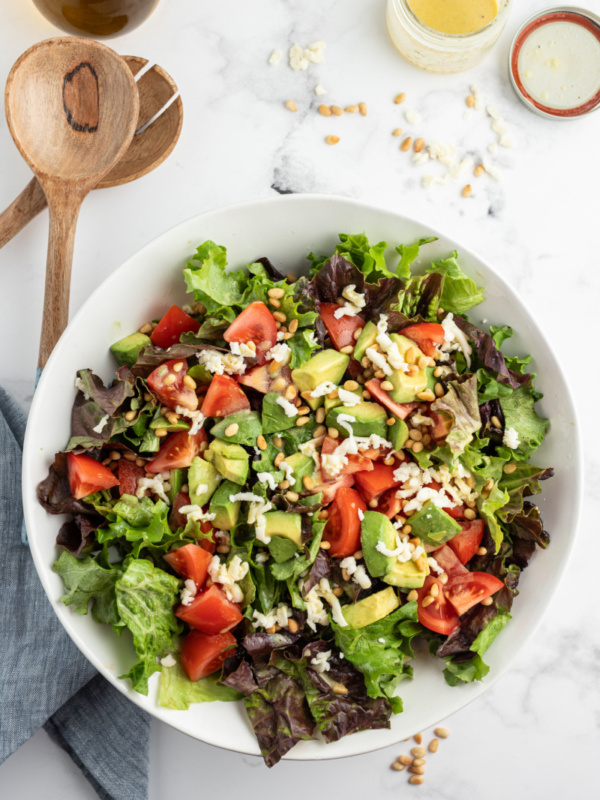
(249, 428)
(226, 512)
(201, 473)
(329, 404)
(433, 526)
(231, 460)
(280, 523)
(200, 374)
(367, 338)
(326, 365)
(398, 434)
(371, 609)
(163, 422)
(407, 575)
(178, 477)
(274, 418)
(406, 387)
(431, 381)
(303, 466)
(376, 527)
(369, 418)
(127, 350)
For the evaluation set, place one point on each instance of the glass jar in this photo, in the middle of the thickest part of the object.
(435, 51)
(96, 18)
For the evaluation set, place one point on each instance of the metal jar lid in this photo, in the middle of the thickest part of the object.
(578, 16)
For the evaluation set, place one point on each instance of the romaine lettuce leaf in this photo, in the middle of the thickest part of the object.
(409, 253)
(178, 692)
(206, 276)
(85, 582)
(459, 292)
(520, 414)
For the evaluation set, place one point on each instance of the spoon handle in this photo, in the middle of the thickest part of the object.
(21, 211)
(63, 221)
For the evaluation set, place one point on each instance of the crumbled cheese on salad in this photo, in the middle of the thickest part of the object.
(355, 302)
(277, 616)
(349, 399)
(261, 558)
(219, 363)
(289, 408)
(415, 492)
(379, 360)
(321, 661)
(356, 571)
(434, 565)
(197, 418)
(196, 514)
(316, 614)
(346, 420)
(289, 472)
(168, 661)
(323, 388)
(280, 353)
(402, 551)
(241, 349)
(158, 485)
(267, 477)
(102, 424)
(188, 592)
(420, 419)
(390, 348)
(228, 575)
(511, 439)
(80, 386)
(256, 514)
(333, 462)
(455, 339)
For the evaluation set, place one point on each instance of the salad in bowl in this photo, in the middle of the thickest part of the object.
(294, 483)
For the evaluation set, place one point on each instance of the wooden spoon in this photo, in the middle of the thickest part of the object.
(157, 131)
(71, 107)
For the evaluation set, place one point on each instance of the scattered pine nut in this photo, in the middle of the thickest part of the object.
(274, 302)
(189, 382)
(324, 110)
(278, 384)
(302, 421)
(325, 545)
(467, 190)
(353, 109)
(333, 433)
(398, 766)
(293, 326)
(130, 415)
(387, 386)
(279, 316)
(337, 111)
(293, 497)
(412, 595)
(351, 386)
(417, 770)
(276, 292)
(427, 601)
(332, 139)
(418, 737)
(418, 752)
(160, 432)
(292, 626)
(406, 761)
(443, 733)
(278, 459)
(291, 106)
(308, 483)
(405, 146)
(400, 98)
(347, 349)
(416, 780)
(362, 107)
(470, 101)
(303, 410)
(479, 170)
(419, 144)
(487, 601)
(419, 762)
(290, 392)
(320, 415)
(339, 689)
(439, 390)
(433, 745)
(169, 380)
(496, 422)
(274, 367)
(178, 366)
(145, 328)
(469, 513)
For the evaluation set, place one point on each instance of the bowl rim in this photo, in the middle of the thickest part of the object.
(30, 454)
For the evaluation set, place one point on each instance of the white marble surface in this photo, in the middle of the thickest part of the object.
(536, 732)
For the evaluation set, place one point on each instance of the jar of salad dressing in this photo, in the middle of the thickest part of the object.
(445, 35)
(96, 18)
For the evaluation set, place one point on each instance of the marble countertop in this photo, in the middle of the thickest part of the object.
(536, 732)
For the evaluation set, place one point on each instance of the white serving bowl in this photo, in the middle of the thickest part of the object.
(286, 229)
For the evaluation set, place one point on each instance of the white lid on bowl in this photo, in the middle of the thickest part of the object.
(554, 62)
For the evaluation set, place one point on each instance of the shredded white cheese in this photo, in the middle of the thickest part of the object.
(323, 388)
(289, 472)
(80, 386)
(415, 492)
(511, 439)
(455, 339)
(346, 420)
(321, 661)
(356, 571)
(188, 592)
(289, 408)
(219, 363)
(197, 418)
(355, 302)
(280, 353)
(196, 514)
(267, 477)
(228, 575)
(258, 508)
(241, 349)
(277, 616)
(158, 485)
(379, 360)
(349, 399)
(102, 424)
(435, 567)
(168, 661)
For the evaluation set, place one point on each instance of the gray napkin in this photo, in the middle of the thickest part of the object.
(44, 679)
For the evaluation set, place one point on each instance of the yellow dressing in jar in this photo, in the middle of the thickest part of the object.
(455, 16)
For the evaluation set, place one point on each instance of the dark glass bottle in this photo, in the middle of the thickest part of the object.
(96, 18)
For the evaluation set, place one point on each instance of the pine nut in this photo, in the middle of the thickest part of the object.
(400, 98)
(336, 111)
(261, 442)
(508, 469)
(277, 292)
(189, 382)
(284, 485)
(419, 144)
(412, 595)
(470, 514)
(325, 545)
(467, 190)
(415, 434)
(487, 601)
(292, 626)
(380, 374)
(232, 429)
(293, 326)
(443, 578)
(279, 316)
(482, 551)
(129, 456)
(407, 530)
(347, 349)
(290, 392)
(147, 328)
(433, 745)
(389, 461)
(332, 139)
(173, 418)
(397, 132)
(320, 415)
(278, 459)
(427, 395)
(169, 380)
(418, 752)
(434, 591)
(351, 109)
(479, 170)
(423, 362)
(114, 455)
(398, 766)
(405, 146)
(391, 421)
(130, 415)
(139, 462)
(443, 733)
(419, 762)
(321, 430)
(418, 447)
(223, 548)
(470, 101)
(291, 278)
(406, 761)
(160, 432)
(427, 601)
(362, 107)
(345, 575)
(293, 497)
(302, 421)
(278, 441)
(387, 386)
(324, 110)
(416, 780)
(417, 770)
(308, 483)
(496, 422)
(358, 555)
(274, 367)
(413, 370)
(291, 106)
(274, 302)
(439, 390)
(438, 372)
(366, 395)
(339, 689)
(178, 366)
(333, 433)
(357, 333)
(351, 386)
(373, 503)
(418, 737)
(409, 356)
(278, 384)
(338, 591)
(333, 395)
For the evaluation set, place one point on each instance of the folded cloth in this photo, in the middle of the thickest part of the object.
(44, 679)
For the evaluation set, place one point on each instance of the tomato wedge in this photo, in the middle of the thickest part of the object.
(438, 616)
(86, 475)
(343, 525)
(389, 504)
(400, 410)
(177, 451)
(356, 463)
(172, 325)
(340, 330)
(190, 561)
(465, 591)
(255, 324)
(447, 560)
(427, 335)
(380, 479)
(224, 397)
(167, 384)
(442, 425)
(210, 612)
(129, 474)
(331, 488)
(260, 378)
(458, 512)
(201, 655)
(466, 543)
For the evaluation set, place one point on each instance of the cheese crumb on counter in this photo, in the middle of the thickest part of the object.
(275, 57)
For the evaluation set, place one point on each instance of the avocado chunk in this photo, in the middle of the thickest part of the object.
(371, 609)
(303, 466)
(433, 526)
(203, 479)
(249, 428)
(398, 434)
(406, 387)
(200, 374)
(163, 422)
(127, 350)
(370, 418)
(326, 365)
(334, 403)
(280, 523)
(367, 338)
(274, 418)
(407, 575)
(226, 512)
(231, 460)
(177, 480)
(376, 528)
